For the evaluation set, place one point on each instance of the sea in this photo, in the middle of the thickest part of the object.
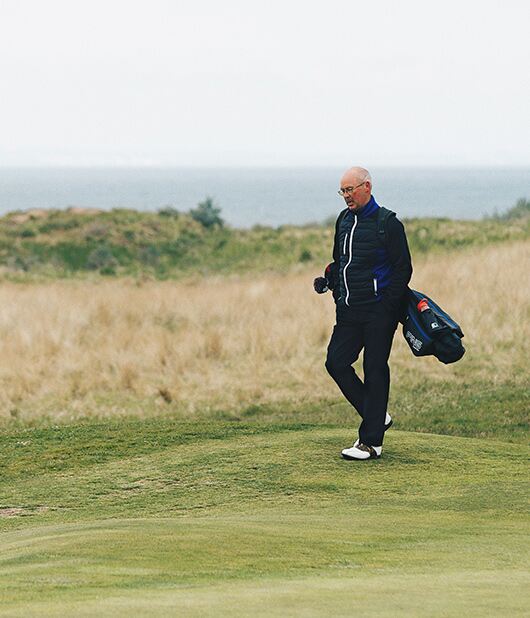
(268, 196)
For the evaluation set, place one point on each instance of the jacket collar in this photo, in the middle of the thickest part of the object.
(367, 210)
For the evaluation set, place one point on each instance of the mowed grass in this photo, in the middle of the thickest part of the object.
(163, 517)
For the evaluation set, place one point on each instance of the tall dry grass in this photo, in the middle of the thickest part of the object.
(72, 348)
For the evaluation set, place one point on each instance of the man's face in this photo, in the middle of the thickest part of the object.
(357, 193)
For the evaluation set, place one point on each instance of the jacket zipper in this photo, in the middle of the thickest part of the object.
(375, 286)
(349, 262)
(344, 247)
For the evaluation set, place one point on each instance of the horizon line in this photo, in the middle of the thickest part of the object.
(257, 166)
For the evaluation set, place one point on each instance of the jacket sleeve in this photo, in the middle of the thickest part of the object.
(400, 260)
(332, 269)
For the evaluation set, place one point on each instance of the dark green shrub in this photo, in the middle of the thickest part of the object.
(19, 262)
(74, 256)
(519, 211)
(101, 258)
(149, 255)
(53, 225)
(207, 214)
(169, 211)
(107, 270)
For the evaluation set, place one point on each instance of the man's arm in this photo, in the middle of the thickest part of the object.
(399, 256)
(329, 281)
(332, 270)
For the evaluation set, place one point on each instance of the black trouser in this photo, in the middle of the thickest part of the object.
(374, 332)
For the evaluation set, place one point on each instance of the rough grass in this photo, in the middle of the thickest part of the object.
(244, 345)
(165, 517)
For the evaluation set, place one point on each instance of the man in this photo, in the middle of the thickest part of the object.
(369, 275)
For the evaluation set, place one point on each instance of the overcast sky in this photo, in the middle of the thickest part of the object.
(264, 83)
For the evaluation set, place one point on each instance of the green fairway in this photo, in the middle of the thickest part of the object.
(161, 517)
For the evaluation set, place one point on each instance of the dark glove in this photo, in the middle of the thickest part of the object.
(321, 285)
(330, 275)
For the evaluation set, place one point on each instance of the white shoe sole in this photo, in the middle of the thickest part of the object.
(356, 454)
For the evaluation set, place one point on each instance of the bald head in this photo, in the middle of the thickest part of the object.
(356, 175)
(356, 184)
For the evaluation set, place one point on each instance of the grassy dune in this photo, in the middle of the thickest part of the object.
(161, 518)
(84, 243)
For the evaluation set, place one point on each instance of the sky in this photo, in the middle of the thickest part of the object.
(208, 83)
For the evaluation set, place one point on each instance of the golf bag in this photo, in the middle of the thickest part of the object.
(428, 330)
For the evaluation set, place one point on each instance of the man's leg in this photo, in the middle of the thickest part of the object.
(343, 350)
(378, 335)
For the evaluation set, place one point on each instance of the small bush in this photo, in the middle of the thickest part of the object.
(107, 270)
(149, 255)
(519, 211)
(169, 211)
(102, 259)
(58, 224)
(305, 256)
(20, 263)
(72, 255)
(207, 214)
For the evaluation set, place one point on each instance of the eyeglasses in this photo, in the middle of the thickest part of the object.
(349, 190)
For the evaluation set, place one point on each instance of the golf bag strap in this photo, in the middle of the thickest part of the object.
(383, 214)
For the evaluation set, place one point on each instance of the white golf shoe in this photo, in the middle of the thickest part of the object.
(362, 451)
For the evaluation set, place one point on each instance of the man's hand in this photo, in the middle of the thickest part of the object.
(321, 285)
